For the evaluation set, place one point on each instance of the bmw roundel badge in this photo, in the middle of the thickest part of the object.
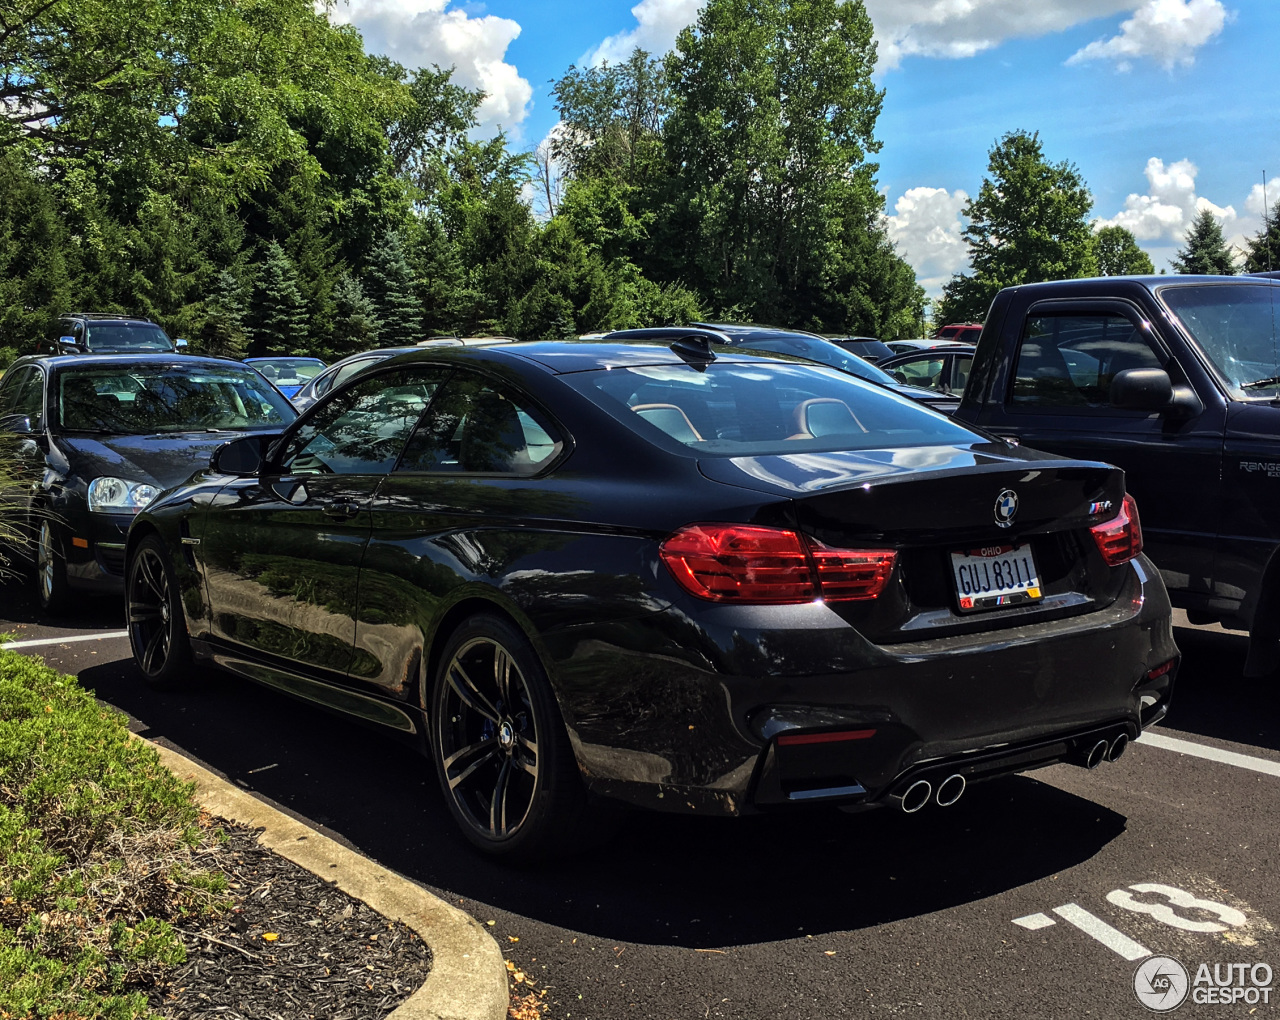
(1006, 508)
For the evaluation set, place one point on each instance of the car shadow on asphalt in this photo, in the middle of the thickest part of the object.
(663, 880)
(1212, 699)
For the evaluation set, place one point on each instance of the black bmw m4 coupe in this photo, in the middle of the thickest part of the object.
(685, 577)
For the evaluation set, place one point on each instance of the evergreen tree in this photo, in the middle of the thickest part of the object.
(1118, 254)
(355, 325)
(223, 332)
(1206, 250)
(1026, 224)
(277, 319)
(389, 284)
(1264, 250)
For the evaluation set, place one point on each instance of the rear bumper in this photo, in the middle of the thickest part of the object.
(693, 709)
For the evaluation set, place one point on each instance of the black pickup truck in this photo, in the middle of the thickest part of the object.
(1175, 379)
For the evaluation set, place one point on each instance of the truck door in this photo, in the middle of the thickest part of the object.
(1055, 397)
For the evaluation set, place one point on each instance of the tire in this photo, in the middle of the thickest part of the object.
(52, 591)
(502, 755)
(157, 626)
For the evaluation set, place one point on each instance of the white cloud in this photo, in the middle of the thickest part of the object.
(926, 227)
(1167, 31)
(963, 28)
(658, 24)
(1170, 205)
(418, 33)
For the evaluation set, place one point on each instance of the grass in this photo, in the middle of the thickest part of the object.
(101, 848)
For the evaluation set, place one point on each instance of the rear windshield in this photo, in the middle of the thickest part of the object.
(737, 409)
(1235, 326)
(289, 371)
(141, 400)
(133, 336)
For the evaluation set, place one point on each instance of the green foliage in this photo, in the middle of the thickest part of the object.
(1263, 253)
(247, 176)
(276, 321)
(771, 206)
(389, 284)
(1205, 251)
(1026, 224)
(1118, 254)
(356, 325)
(98, 843)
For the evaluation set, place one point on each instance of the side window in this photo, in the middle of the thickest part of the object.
(1070, 360)
(480, 427)
(23, 395)
(363, 431)
(346, 372)
(960, 372)
(924, 371)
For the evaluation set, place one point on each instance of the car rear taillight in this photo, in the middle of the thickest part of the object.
(745, 563)
(1120, 539)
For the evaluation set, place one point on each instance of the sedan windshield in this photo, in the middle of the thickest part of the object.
(289, 371)
(146, 399)
(737, 409)
(822, 351)
(1235, 326)
(131, 336)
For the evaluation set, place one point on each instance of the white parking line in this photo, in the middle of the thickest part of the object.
(105, 635)
(1240, 761)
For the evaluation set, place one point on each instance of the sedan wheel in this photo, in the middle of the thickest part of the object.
(501, 751)
(157, 629)
(51, 570)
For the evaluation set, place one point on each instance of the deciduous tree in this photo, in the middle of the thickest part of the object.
(1118, 254)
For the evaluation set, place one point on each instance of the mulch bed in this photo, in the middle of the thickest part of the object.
(293, 948)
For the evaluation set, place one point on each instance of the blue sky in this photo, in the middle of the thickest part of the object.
(1166, 106)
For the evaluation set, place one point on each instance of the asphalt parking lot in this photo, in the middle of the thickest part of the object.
(1035, 896)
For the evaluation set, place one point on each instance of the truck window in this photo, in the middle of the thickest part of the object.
(1070, 360)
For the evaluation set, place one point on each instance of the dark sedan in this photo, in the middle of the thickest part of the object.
(791, 343)
(684, 578)
(96, 437)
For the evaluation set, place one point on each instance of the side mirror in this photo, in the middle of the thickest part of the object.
(67, 341)
(179, 343)
(1142, 389)
(19, 424)
(242, 457)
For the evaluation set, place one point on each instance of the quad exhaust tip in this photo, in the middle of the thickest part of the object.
(1117, 747)
(915, 796)
(950, 790)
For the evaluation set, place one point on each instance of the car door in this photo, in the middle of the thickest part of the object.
(282, 551)
(444, 518)
(1057, 399)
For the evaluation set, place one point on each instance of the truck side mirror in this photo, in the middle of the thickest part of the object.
(242, 457)
(179, 343)
(67, 341)
(1151, 389)
(1142, 389)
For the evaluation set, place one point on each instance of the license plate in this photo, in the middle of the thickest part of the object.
(995, 576)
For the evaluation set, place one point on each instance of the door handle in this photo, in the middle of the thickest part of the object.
(341, 510)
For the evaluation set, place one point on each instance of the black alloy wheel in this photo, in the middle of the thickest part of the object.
(157, 628)
(501, 750)
(51, 569)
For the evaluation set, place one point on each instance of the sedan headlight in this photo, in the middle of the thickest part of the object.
(109, 495)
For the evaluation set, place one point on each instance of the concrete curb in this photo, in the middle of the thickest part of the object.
(468, 979)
